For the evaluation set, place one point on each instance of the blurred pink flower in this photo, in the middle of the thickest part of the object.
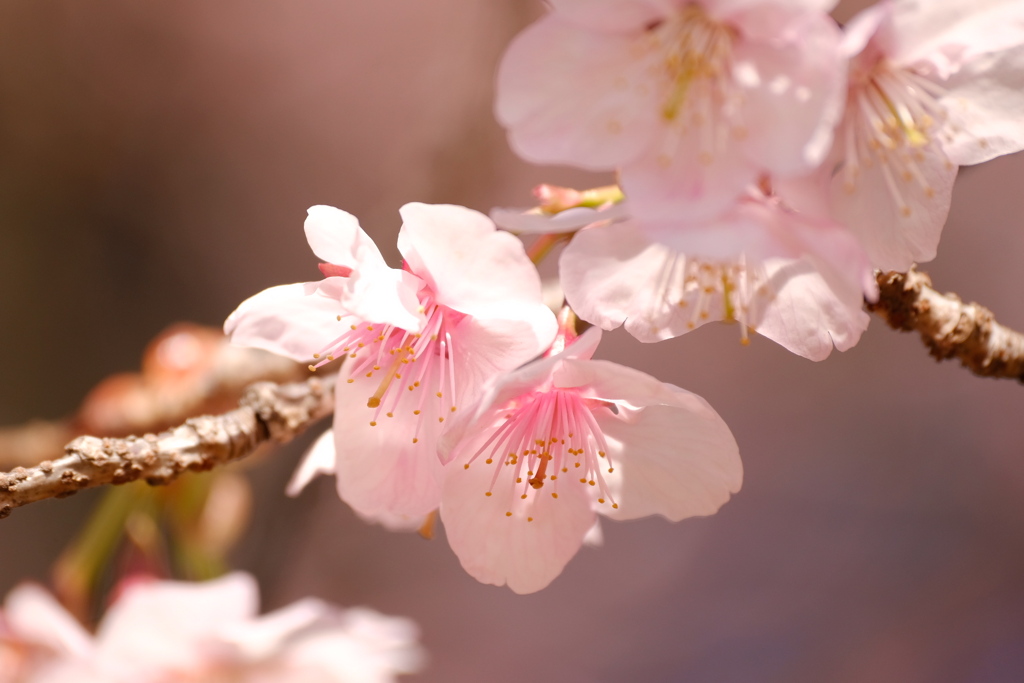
(690, 100)
(933, 85)
(417, 343)
(799, 281)
(171, 632)
(561, 439)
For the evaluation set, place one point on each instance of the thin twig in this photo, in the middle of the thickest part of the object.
(267, 411)
(949, 327)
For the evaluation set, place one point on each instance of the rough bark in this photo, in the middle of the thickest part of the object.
(267, 412)
(949, 327)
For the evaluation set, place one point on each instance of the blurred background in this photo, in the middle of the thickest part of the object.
(156, 162)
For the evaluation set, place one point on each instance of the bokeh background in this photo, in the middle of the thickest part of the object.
(156, 161)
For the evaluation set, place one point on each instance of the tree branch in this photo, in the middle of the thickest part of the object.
(186, 370)
(267, 411)
(949, 327)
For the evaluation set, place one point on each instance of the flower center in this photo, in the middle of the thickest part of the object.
(421, 363)
(545, 435)
(893, 115)
(729, 291)
(693, 63)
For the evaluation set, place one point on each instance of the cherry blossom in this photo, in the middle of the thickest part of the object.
(171, 632)
(690, 100)
(796, 280)
(932, 85)
(417, 342)
(558, 441)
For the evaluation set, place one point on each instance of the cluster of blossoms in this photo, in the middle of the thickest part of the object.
(175, 632)
(435, 409)
(767, 161)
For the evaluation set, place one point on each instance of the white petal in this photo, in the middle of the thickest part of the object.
(530, 221)
(319, 459)
(950, 33)
(468, 263)
(286, 320)
(335, 237)
(594, 537)
(36, 618)
(985, 101)
(163, 623)
(387, 296)
(615, 274)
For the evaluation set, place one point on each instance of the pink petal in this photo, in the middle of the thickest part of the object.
(794, 78)
(335, 237)
(614, 274)
(614, 16)
(902, 227)
(379, 470)
(568, 95)
(286, 320)
(671, 452)
(677, 180)
(535, 376)
(319, 459)
(724, 9)
(468, 264)
(808, 311)
(500, 549)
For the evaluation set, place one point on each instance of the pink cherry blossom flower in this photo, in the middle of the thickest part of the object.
(690, 99)
(933, 85)
(564, 438)
(796, 280)
(175, 632)
(417, 343)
